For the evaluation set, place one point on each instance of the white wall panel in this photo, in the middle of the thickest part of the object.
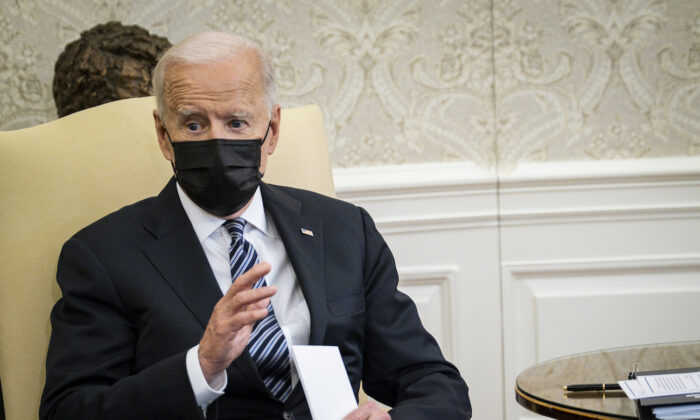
(432, 288)
(557, 309)
(548, 260)
(441, 223)
(597, 256)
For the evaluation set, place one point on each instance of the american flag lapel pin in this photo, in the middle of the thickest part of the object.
(307, 232)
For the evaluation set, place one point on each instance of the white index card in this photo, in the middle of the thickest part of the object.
(325, 381)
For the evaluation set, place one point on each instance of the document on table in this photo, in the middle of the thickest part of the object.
(325, 381)
(678, 412)
(662, 385)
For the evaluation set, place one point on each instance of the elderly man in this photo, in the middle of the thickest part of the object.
(184, 305)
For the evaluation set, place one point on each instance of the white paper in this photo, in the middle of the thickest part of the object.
(662, 385)
(632, 388)
(325, 381)
(677, 412)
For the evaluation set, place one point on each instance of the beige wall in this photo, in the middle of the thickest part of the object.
(407, 81)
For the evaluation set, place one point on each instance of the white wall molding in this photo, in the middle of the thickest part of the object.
(401, 197)
(618, 241)
(601, 214)
(413, 279)
(579, 267)
(422, 197)
(552, 308)
(389, 182)
(601, 173)
(414, 224)
(584, 184)
(385, 182)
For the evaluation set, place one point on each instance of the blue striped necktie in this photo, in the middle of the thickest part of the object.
(267, 345)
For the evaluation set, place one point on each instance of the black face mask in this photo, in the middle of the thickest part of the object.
(219, 175)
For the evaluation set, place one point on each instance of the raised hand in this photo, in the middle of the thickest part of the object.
(232, 321)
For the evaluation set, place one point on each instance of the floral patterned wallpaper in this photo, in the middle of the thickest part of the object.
(495, 82)
(597, 79)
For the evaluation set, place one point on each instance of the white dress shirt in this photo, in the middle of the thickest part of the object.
(289, 304)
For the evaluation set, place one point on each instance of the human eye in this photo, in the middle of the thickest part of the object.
(193, 126)
(237, 123)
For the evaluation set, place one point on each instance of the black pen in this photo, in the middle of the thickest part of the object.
(591, 387)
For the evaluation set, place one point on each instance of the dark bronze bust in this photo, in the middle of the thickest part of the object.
(109, 62)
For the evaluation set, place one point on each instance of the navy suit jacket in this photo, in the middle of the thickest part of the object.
(138, 292)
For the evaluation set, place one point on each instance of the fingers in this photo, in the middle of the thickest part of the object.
(245, 318)
(380, 415)
(248, 279)
(241, 293)
(262, 304)
(241, 300)
(232, 320)
(245, 308)
(368, 411)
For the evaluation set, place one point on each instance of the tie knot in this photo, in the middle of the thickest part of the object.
(235, 227)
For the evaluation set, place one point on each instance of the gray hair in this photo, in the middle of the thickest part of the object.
(210, 47)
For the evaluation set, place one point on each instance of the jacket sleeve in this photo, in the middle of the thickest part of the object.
(88, 367)
(403, 365)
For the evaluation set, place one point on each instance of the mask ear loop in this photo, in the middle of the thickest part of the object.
(171, 143)
(269, 124)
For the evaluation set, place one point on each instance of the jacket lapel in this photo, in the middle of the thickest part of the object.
(302, 236)
(178, 256)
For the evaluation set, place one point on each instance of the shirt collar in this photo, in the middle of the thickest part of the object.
(205, 224)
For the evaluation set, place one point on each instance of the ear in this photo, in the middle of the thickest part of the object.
(274, 135)
(163, 142)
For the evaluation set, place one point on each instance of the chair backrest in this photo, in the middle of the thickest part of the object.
(60, 176)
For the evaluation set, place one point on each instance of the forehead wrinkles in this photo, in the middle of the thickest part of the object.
(219, 82)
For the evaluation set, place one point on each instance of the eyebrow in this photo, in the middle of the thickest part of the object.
(239, 114)
(186, 113)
